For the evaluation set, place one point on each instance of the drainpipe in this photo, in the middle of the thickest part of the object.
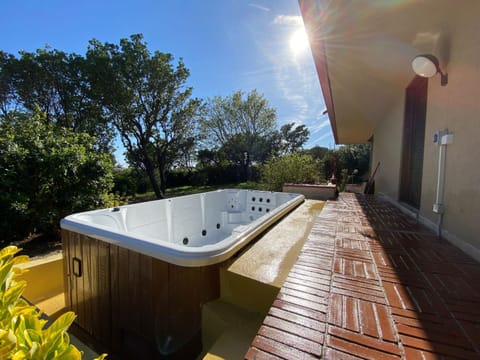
(442, 138)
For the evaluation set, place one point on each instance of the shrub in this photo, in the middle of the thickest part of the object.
(47, 172)
(292, 168)
(23, 333)
(179, 177)
(126, 181)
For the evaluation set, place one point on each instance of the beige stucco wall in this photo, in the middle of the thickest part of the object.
(457, 108)
(387, 141)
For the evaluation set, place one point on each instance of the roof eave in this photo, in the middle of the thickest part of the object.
(311, 11)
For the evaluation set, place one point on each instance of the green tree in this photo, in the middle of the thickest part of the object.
(148, 102)
(126, 181)
(240, 127)
(291, 138)
(342, 161)
(58, 83)
(208, 157)
(237, 115)
(291, 168)
(46, 173)
(317, 152)
(350, 158)
(8, 99)
(325, 159)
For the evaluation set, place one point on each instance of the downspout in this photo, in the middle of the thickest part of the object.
(442, 138)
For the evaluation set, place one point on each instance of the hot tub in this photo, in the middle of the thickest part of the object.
(138, 275)
(193, 230)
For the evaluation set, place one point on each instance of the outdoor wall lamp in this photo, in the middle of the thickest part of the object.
(427, 65)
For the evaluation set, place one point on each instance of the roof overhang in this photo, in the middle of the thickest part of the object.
(363, 51)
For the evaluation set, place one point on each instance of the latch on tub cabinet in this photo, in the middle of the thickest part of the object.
(77, 267)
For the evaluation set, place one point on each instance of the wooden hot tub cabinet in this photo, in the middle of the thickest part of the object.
(137, 306)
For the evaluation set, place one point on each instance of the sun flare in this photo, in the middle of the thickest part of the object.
(298, 41)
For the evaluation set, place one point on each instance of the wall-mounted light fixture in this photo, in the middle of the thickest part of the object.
(427, 65)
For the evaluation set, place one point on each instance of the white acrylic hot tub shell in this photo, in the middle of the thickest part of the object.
(158, 228)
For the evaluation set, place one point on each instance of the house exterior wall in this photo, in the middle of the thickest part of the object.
(455, 107)
(387, 142)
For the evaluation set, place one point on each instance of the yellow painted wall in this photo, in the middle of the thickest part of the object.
(456, 107)
(44, 278)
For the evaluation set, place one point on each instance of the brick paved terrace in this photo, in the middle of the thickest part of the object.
(371, 283)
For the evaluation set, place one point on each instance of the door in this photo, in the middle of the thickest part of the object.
(413, 142)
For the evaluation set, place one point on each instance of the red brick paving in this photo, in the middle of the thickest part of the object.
(371, 283)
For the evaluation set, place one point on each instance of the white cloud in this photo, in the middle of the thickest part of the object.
(298, 90)
(255, 73)
(289, 20)
(320, 138)
(314, 128)
(257, 6)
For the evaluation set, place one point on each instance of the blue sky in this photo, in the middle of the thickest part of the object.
(228, 45)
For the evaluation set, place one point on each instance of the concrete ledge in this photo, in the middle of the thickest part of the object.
(312, 191)
(356, 188)
(270, 259)
(44, 278)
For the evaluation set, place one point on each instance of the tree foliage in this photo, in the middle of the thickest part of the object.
(127, 181)
(125, 89)
(351, 157)
(343, 161)
(291, 138)
(291, 168)
(234, 115)
(57, 83)
(240, 127)
(148, 103)
(318, 152)
(241, 130)
(46, 173)
(7, 88)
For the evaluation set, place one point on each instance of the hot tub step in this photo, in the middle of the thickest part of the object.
(53, 306)
(245, 292)
(227, 330)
